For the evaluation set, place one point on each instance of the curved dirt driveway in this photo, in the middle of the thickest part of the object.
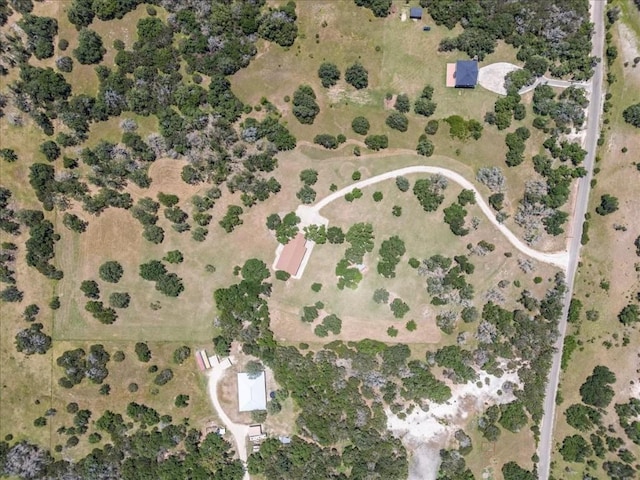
(238, 431)
(312, 213)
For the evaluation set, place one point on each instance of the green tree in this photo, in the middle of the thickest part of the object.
(425, 146)
(305, 107)
(174, 256)
(360, 125)
(399, 308)
(513, 416)
(309, 177)
(90, 48)
(631, 115)
(596, 390)
(329, 74)
(90, 289)
(111, 271)
(582, 417)
(428, 193)
(575, 449)
(50, 150)
(629, 314)
(254, 369)
(143, 352)
(119, 299)
(608, 204)
(357, 76)
(398, 121)
(403, 105)
(376, 142)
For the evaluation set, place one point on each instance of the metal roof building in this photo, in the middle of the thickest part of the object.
(252, 392)
(466, 73)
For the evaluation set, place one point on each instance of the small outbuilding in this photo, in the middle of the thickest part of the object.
(415, 13)
(252, 392)
(466, 73)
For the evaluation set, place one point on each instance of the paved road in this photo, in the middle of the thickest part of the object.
(584, 185)
(238, 431)
(552, 82)
(311, 214)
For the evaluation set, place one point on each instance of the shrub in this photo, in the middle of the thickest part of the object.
(398, 121)
(376, 142)
(163, 377)
(356, 175)
(326, 140)
(411, 325)
(50, 150)
(316, 287)
(119, 300)
(143, 352)
(392, 332)
(403, 105)
(377, 196)
(432, 127)
(399, 308)
(282, 275)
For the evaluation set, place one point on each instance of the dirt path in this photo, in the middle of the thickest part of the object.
(238, 431)
(311, 214)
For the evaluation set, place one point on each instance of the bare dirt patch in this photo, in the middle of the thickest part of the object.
(425, 433)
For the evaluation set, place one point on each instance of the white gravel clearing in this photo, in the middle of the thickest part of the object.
(492, 76)
(425, 433)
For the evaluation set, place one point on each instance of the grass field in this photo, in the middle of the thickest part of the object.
(424, 235)
(601, 342)
(400, 58)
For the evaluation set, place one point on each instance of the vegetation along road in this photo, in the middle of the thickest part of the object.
(584, 185)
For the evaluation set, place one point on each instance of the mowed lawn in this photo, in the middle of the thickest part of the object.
(399, 57)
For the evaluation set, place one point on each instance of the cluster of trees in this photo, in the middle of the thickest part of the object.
(279, 25)
(505, 109)
(40, 245)
(305, 107)
(545, 39)
(463, 129)
(391, 251)
(515, 146)
(77, 365)
(376, 142)
(428, 191)
(446, 282)
(167, 450)
(631, 115)
(285, 228)
(168, 283)
(425, 105)
(566, 112)
(329, 141)
(40, 33)
(380, 8)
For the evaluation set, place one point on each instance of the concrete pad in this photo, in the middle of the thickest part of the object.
(451, 75)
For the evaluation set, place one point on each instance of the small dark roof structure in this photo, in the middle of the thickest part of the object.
(466, 73)
(415, 12)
